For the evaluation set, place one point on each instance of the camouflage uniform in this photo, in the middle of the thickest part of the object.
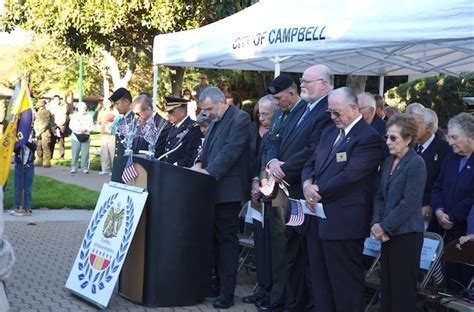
(60, 127)
(42, 126)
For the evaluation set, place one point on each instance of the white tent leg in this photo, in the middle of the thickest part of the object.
(155, 87)
(277, 68)
(381, 85)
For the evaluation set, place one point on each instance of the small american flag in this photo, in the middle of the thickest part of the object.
(296, 213)
(129, 173)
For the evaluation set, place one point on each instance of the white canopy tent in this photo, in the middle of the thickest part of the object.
(365, 37)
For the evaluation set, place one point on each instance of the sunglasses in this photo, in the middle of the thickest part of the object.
(392, 138)
(334, 112)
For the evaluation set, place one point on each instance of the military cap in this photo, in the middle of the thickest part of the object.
(120, 93)
(280, 83)
(174, 102)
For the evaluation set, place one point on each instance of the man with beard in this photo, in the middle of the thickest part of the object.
(287, 158)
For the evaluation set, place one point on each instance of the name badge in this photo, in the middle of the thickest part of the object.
(341, 157)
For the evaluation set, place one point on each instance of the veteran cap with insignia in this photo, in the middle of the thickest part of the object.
(120, 93)
(174, 102)
(280, 83)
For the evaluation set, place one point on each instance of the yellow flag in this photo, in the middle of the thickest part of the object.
(7, 142)
(10, 136)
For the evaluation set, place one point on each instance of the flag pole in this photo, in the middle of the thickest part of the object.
(22, 182)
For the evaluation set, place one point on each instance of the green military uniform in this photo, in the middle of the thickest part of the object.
(274, 216)
(42, 126)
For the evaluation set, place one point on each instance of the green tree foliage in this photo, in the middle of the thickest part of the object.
(51, 67)
(124, 28)
(441, 93)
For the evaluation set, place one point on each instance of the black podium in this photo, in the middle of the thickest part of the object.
(169, 260)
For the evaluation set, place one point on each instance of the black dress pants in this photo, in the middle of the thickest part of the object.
(336, 270)
(226, 226)
(263, 257)
(400, 262)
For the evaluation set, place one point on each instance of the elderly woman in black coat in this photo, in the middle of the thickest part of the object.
(397, 220)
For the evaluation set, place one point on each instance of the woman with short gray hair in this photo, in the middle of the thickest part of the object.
(452, 197)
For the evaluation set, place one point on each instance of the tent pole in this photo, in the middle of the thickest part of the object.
(155, 87)
(277, 69)
(381, 85)
(276, 61)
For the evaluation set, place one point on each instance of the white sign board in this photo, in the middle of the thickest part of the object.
(106, 242)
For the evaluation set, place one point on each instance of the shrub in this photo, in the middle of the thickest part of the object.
(441, 93)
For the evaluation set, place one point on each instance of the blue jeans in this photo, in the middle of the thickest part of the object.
(82, 148)
(28, 174)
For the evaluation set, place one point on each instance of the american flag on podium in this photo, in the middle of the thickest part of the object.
(129, 173)
(296, 213)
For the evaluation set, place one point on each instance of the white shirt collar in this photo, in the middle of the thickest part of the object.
(352, 124)
(428, 142)
(181, 122)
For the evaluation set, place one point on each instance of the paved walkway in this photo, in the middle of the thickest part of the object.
(46, 249)
(92, 180)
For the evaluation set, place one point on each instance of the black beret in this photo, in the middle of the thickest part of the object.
(120, 93)
(280, 83)
(173, 102)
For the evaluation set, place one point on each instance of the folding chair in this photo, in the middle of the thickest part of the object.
(372, 276)
(430, 256)
(246, 240)
(464, 254)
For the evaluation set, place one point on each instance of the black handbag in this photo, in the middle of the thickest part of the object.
(82, 137)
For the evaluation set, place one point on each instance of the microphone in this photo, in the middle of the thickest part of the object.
(179, 143)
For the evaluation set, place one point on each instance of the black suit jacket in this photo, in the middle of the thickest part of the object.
(433, 157)
(298, 142)
(379, 125)
(346, 186)
(190, 135)
(225, 155)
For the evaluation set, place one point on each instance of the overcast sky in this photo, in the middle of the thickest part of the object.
(18, 37)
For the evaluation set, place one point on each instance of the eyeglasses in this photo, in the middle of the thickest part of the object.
(137, 115)
(263, 114)
(304, 81)
(336, 113)
(392, 137)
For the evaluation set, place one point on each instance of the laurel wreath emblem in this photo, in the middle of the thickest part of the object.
(88, 276)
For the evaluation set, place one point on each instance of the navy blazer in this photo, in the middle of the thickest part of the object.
(346, 186)
(453, 191)
(225, 155)
(189, 134)
(379, 125)
(298, 142)
(470, 221)
(433, 157)
(397, 204)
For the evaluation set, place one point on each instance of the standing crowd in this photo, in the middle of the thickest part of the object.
(390, 178)
(372, 172)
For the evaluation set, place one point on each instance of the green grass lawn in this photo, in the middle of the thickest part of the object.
(52, 194)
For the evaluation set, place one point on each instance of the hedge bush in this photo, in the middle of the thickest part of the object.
(441, 93)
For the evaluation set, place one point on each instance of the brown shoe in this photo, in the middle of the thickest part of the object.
(38, 163)
(46, 163)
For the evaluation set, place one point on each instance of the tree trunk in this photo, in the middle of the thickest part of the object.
(357, 83)
(117, 80)
(176, 77)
